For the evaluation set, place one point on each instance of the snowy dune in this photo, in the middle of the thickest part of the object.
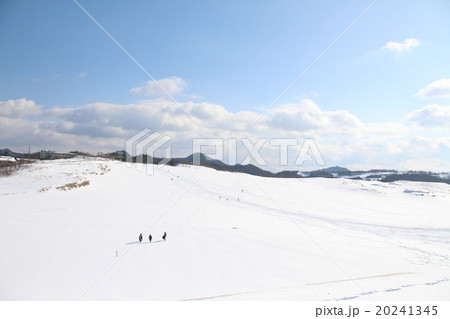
(230, 236)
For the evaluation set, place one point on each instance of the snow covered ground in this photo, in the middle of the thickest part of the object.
(230, 236)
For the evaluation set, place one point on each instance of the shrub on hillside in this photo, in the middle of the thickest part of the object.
(8, 168)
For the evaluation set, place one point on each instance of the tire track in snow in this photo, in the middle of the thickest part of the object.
(331, 282)
(361, 278)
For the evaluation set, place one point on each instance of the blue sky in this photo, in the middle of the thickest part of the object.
(66, 81)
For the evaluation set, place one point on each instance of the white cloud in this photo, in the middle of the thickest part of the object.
(17, 134)
(19, 108)
(431, 116)
(385, 129)
(400, 47)
(307, 116)
(426, 145)
(440, 88)
(173, 85)
(82, 75)
(342, 138)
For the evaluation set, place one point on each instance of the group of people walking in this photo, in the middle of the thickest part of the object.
(150, 237)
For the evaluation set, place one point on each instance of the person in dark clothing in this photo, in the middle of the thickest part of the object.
(140, 237)
(150, 238)
(164, 236)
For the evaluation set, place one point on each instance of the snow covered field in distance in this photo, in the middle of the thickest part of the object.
(69, 230)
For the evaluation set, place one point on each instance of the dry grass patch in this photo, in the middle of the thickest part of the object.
(44, 189)
(9, 168)
(104, 168)
(73, 185)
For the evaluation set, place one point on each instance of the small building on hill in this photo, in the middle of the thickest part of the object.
(51, 155)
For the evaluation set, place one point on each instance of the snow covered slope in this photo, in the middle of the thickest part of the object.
(230, 235)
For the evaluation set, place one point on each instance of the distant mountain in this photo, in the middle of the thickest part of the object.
(8, 152)
(416, 177)
(383, 175)
(335, 169)
(288, 174)
(201, 159)
(329, 172)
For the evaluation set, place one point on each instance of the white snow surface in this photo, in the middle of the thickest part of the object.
(229, 236)
(7, 159)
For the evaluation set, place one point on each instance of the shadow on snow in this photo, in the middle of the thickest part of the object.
(145, 242)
